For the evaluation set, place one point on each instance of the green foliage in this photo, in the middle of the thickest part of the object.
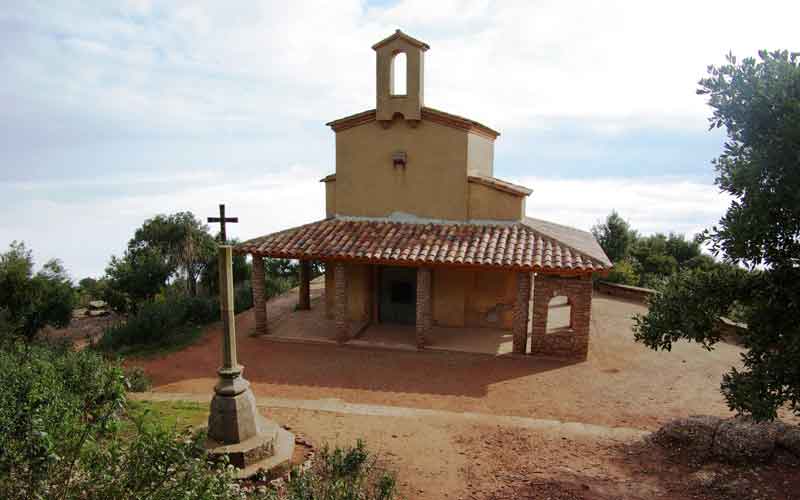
(136, 380)
(183, 242)
(28, 301)
(136, 277)
(241, 272)
(54, 404)
(340, 474)
(168, 323)
(615, 236)
(624, 273)
(60, 415)
(758, 102)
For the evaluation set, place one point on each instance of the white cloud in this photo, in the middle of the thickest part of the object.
(85, 233)
(650, 204)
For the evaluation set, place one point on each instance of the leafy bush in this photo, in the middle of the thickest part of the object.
(171, 321)
(28, 301)
(59, 436)
(54, 403)
(624, 273)
(137, 380)
(340, 474)
(243, 297)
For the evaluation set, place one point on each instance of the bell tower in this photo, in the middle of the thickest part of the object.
(393, 100)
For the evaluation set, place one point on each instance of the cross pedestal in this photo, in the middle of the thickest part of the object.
(235, 427)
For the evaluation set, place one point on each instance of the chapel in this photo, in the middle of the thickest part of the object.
(419, 232)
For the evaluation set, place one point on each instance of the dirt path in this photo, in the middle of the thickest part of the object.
(445, 455)
(622, 383)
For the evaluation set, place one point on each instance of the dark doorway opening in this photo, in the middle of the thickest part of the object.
(398, 295)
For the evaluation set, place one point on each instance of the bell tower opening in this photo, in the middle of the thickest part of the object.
(400, 78)
(399, 74)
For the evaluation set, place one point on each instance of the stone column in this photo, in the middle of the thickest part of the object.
(235, 427)
(581, 315)
(424, 304)
(259, 295)
(340, 304)
(541, 301)
(520, 314)
(304, 299)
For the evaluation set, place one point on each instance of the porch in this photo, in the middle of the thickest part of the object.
(470, 287)
(313, 326)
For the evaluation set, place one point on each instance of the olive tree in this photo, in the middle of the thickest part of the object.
(758, 103)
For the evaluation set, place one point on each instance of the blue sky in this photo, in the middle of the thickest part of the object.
(116, 111)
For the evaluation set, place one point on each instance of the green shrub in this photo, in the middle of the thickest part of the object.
(340, 474)
(243, 297)
(624, 273)
(137, 380)
(54, 403)
(170, 321)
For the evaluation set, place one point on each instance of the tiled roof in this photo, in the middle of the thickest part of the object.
(498, 184)
(503, 246)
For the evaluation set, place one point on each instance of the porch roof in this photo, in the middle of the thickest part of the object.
(525, 245)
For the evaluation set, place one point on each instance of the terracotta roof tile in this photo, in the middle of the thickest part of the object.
(514, 246)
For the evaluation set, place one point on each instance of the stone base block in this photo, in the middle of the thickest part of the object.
(234, 419)
(271, 451)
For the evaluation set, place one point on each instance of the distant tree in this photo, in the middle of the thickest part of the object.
(182, 240)
(624, 272)
(137, 276)
(758, 102)
(681, 249)
(28, 301)
(241, 271)
(615, 236)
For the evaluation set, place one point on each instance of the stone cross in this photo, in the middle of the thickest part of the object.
(230, 379)
(235, 427)
(222, 220)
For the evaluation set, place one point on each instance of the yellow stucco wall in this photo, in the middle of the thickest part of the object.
(433, 184)
(486, 203)
(464, 297)
(359, 290)
(330, 198)
(480, 155)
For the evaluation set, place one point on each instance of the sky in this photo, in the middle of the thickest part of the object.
(114, 112)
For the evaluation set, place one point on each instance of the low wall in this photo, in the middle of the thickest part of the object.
(731, 331)
(634, 293)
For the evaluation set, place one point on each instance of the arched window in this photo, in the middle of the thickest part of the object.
(399, 74)
(559, 314)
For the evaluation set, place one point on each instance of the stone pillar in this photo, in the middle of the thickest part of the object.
(541, 301)
(304, 298)
(259, 295)
(581, 315)
(340, 302)
(520, 314)
(235, 427)
(424, 304)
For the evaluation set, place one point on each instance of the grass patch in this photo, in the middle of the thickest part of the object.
(178, 415)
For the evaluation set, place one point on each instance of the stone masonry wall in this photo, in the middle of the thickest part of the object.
(520, 323)
(259, 295)
(627, 292)
(573, 343)
(424, 304)
(340, 302)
